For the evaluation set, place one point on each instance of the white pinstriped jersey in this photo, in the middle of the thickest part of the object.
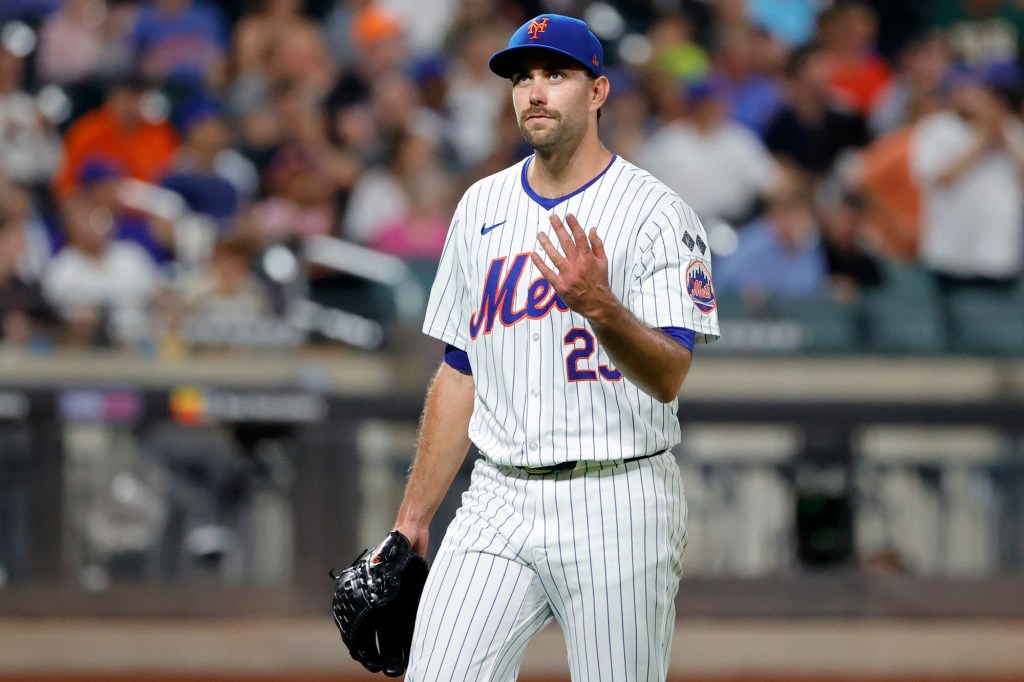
(546, 392)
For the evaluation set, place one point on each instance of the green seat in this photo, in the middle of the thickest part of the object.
(986, 323)
(904, 283)
(902, 326)
(736, 307)
(828, 326)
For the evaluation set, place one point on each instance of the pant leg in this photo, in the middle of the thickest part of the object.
(482, 603)
(613, 576)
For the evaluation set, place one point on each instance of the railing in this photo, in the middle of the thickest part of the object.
(205, 499)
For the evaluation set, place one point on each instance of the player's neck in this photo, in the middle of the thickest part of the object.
(557, 173)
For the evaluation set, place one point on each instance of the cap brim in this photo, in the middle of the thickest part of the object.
(506, 62)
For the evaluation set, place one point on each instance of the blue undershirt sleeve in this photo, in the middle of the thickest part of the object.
(685, 337)
(458, 360)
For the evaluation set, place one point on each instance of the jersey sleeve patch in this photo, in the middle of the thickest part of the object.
(700, 287)
(457, 359)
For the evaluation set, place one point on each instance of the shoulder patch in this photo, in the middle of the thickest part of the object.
(688, 240)
(699, 286)
(701, 245)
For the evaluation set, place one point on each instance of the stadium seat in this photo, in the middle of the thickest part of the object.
(828, 326)
(986, 323)
(903, 314)
(896, 325)
(905, 282)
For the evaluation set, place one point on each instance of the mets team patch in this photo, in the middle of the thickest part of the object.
(699, 286)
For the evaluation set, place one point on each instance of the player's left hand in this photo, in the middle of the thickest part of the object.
(582, 277)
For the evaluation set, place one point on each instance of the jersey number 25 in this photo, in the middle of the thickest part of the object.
(584, 352)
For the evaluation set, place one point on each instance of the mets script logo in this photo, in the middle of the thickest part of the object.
(699, 286)
(537, 27)
(498, 301)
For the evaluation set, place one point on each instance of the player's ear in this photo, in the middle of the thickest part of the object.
(599, 89)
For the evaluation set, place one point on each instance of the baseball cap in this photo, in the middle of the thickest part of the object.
(99, 169)
(554, 32)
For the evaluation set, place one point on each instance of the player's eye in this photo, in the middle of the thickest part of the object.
(556, 76)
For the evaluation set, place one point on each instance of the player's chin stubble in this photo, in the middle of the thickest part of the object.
(556, 136)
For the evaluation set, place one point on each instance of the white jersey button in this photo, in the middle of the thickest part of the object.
(533, 445)
(535, 393)
(536, 337)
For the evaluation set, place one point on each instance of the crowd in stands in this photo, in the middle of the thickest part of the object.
(151, 151)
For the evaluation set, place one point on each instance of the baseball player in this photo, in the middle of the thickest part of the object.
(572, 289)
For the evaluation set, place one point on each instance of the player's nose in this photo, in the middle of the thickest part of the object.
(538, 95)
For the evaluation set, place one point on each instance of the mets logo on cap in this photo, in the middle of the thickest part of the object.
(537, 27)
(700, 287)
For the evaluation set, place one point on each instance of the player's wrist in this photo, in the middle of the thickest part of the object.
(605, 313)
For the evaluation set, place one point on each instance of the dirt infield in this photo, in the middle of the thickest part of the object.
(309, 650)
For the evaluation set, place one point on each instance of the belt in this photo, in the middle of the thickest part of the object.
(569, 466)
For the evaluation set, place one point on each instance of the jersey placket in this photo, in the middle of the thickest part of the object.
(534, 446)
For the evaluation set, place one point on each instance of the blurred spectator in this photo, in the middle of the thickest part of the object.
(95, 278)
(84, 39)
(304, 123)
(883, 178)
(379, 39)
(228, 292)
(29, 145)
(205, 153)
(665, 97)
(23, 310)
(780, 254)
(625, 119)
(338, 31)
(425, 22)
(379, 44)
(475, 97)
(848, 32)
(980, 33)
(119, 132)
(914, 92)
(182, 41)
(420, 232)
(811, 130)
(791, 21)
(278, 40)
(29, 10)
(398, 109)
(851, 268)
(101, 182)
(298, 201)
(674, 51)
(36, 246)
(380, 197)
(718, 167)
(969, 163)
(752, 93)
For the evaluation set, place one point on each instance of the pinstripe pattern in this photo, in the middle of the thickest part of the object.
(514, 558)
(526, 411)
(599, 548)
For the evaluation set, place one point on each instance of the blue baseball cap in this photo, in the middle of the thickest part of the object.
(554, 32)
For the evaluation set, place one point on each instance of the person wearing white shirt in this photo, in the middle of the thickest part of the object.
(719, 167)
(969, 162)
(94, 274)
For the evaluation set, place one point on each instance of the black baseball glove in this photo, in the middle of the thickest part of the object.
(375, 603)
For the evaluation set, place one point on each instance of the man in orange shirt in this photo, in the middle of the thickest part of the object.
(885, 180)
(117, 132)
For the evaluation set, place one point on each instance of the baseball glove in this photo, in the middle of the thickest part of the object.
(375, 603)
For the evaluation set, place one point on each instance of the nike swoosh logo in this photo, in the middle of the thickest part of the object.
(484, 229)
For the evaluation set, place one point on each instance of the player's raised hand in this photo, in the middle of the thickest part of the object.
(582, 277)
